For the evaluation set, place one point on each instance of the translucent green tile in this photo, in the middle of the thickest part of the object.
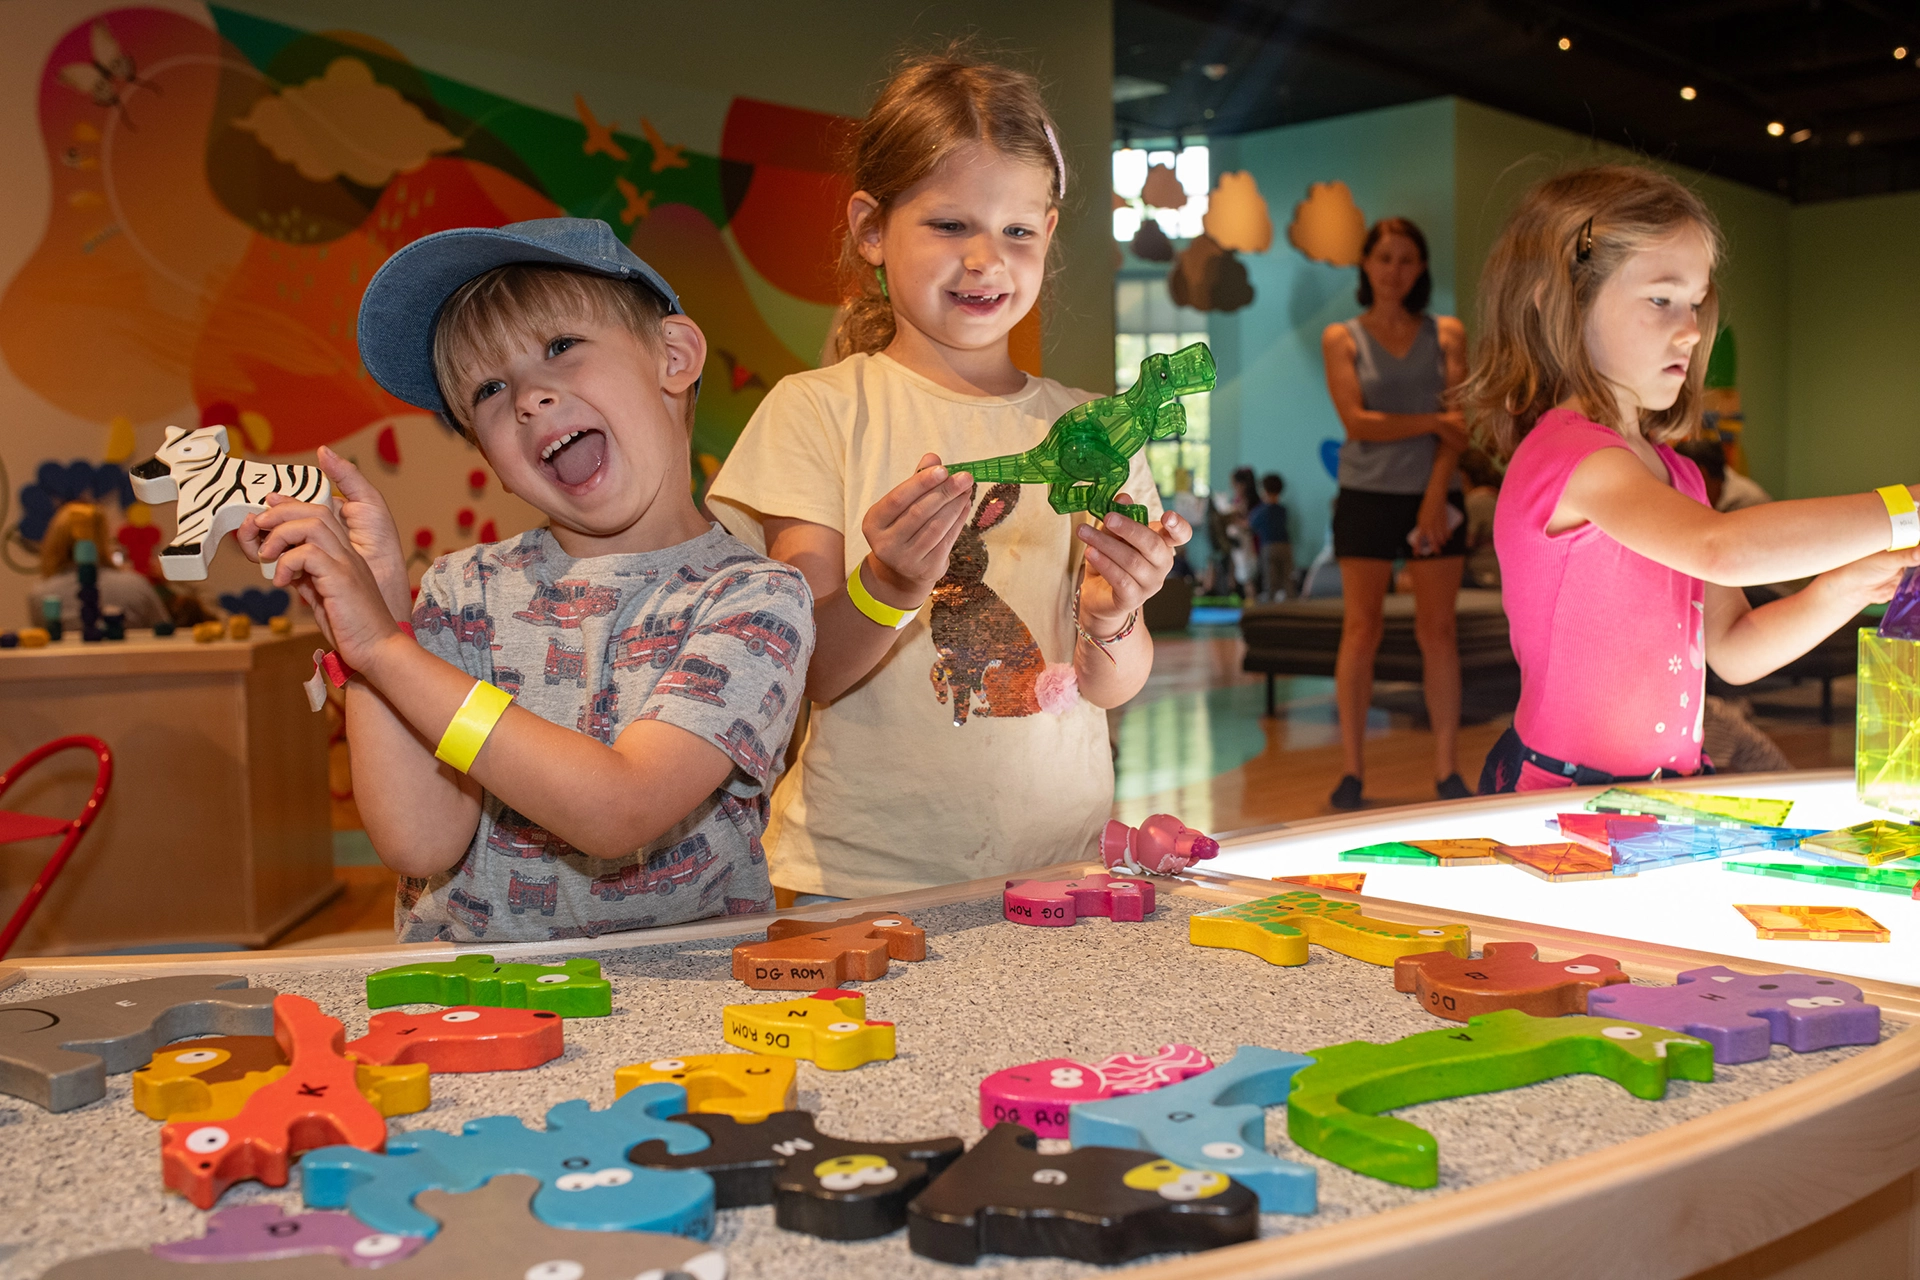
(1886, 758)
(1392, 852)
(1873, 879)
(1871, 843)
(1686, 806)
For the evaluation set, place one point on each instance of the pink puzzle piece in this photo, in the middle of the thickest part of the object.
(262, 1233)
(1038, 1094)
(1053, 904)
(1742, 1015)
(1162, 844)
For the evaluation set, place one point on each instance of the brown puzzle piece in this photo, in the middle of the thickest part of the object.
(1507, 975)
(806, 955)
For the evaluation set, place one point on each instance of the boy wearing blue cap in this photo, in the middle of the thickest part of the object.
(580, 735)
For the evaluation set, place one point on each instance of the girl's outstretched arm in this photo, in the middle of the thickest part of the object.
(1744, 643)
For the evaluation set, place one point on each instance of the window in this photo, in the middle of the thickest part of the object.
(1190, 164)
(1148, 323)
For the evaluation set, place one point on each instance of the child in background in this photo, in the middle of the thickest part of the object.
(1620, 582)
(969, 636)
(1271, 523)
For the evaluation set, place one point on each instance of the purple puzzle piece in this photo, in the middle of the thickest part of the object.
(1743, 1014)
(1902, 618)
(262, 1233)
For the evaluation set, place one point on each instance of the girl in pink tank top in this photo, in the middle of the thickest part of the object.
(1621, 584)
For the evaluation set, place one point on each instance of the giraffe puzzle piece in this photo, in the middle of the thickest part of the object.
(1334, 1110)
(1162, 845)
(1038, 1094)
(58, 1052)
(1508, 975)
(817, 1185)
(1338, 926)
(212, 1080)
(467, 1039)
(1054, 904)
(1742, 1015)
(264, 1233)
(747, 1086)
(213, 493)
(1097, 1204)
(828, 1028)
(1214, 1121)
(580, 1159)
(574, 989)
(805, 955)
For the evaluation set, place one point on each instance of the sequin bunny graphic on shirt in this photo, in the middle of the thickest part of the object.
(985, 650)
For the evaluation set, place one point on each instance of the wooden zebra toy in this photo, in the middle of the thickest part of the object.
(213, 492)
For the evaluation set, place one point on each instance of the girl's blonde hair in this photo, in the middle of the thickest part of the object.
(71, 523)
(931, 106)
(1568, 236)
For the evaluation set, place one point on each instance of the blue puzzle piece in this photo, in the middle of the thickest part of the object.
(1671, 844)
(580, 1158)
(1215, 1121)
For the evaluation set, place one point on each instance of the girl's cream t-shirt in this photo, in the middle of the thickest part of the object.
(945, 763)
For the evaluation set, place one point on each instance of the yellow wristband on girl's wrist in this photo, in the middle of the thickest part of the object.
(876, 610)
(471, 724)
(1903, 515)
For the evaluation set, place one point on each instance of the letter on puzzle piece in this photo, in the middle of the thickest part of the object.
(574, 989)
(1742, 1015)
(805, 955)
(747, 1086)
(465, 1039)
(1338, 926)
(828, 1028)
(1037, 1094)
(1053, 904)
(1508, 975)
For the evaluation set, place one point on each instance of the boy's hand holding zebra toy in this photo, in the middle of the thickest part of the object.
(213, 493)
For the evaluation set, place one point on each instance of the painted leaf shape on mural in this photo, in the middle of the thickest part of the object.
(346, 124)
(1237, 216)
(1163, 189)
(1328, 226)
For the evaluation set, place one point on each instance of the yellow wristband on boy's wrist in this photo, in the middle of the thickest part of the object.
(1903, 515)
(471, 724)
(877, 610)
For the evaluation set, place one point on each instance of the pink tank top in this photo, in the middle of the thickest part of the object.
(1611, 645)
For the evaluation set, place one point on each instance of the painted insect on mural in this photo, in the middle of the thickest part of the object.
(213, 492)
(107, 73)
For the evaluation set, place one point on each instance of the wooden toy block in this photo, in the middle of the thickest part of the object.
(1393, 853)
(1162, 845)
(805, 955)
(1597, 831)
(1742, 1015)
(574, 989)
(747, 1086)
(265, 1233)
(1508, 975)
(1258, 928)
(212, 1079)
(58, 1052)
(1038, 1094)
(828, 1028)
(1870, 843)
(207, 632)
(1344, 881)
(1097, 1204)
(1055, 904)
(1558, 862)
(1690, 806)
(817, 1185)
(35, 637)
(1334, 1110)
(1813, 924)
(213, 492)
(1337, 926)
(580, 1159)
(460, 1040)
(1215, 1121)
(1671, 844)
(1898, 880)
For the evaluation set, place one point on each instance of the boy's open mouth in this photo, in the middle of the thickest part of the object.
(574, 457)
(976, 303)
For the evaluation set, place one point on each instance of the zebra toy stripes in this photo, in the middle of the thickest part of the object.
(213, 492)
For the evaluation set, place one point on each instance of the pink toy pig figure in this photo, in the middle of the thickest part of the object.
(1162, 845)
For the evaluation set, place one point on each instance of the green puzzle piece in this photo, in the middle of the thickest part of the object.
(1334, 1110)
(1874, 879)
(574, 989)
(1685, 806)
(1392, 852)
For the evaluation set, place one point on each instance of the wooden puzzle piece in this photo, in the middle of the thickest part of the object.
(459, 1040)
(212, 493)
(1162, 845)
(1216, 1121)
(1690, 806)
(1813, 924)
(580, 1159)
(1096, 1204)
(58, 1052)
(747, 1086)
(1508, 975)
(1336, 1105)
(805, 955)
(573, 989)
(828, 1028)
(1870, 843)
(1671, 844)
(1558, 862)
(1053, 904)
(1037, 1094)
(1258, 928)
(1742, 1015)
(265, 1233)
(1344, 881)
(1597, 831)
(212, 1080)
(1327, 922)
(818, 1185)
(1898, 880)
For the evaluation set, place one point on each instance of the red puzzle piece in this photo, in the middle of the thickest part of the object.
(316, 1104)
(1508, 975)
(463, 1039)
(1054, 903)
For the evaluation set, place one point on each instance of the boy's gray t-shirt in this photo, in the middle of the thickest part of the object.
(707, 636)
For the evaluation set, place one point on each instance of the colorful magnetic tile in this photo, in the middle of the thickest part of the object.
(1471, 851)
(266, 1233)
(1787, 838)
(1393, 853)
(828, 1028)
(747, 1086)
(1506, 975)
(1886, 757)
(1871, 843)
(1671, 844)
(1597, 831)
(463, 1040)
(1038, 1094)
(805, 955)
(1557, 862)
(1341, 881)
(1742, 1015)
(1694, 807)
(1813, 924)
(1258, 926)
(573, 989)
(1053, 904)
(212, 1079)
(1898, 880)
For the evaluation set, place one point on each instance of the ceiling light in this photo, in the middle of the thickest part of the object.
(1775, 128)
(1855, 138)
(1214, 71)
(1565, 44)
(1689, 93)
(1900, 54)
(1800, 135)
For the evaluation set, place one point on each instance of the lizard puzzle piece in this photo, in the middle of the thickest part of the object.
(1215, 1121)
(1334, 1110)
(1742, 1015)
(1670, 844)
(1689, 806)
(818, 1185)
(212, 1080)
(579, 1158)
(1054, 904)
(1325, 922)
(1097, 1204)
(1162, 845)
(458, 1040)
(1343, 881)
(1898, 880)
(828, 1028)
(58, 1052)
(574, 989)
(1597, 831)
(264, 1233)
(212, 493)
(747, 1086)
(1558, 862)
(1508, 975)
(1813, 924)
(1088, 452)
(805, 955)
(1870, 843)
(1038, 1094)
(1259, 928)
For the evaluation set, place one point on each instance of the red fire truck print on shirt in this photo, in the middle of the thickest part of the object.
(985, 650)
(661, 873)
(568, 603)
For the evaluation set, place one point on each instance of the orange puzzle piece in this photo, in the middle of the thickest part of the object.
(1508, 975)
(805, 955)
(1563, 860)
(1814, 924)
(1344, 881)
(468, 1038)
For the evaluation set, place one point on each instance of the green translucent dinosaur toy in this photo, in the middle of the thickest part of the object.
(1087, 454)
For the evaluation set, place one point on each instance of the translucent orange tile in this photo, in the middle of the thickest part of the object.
(1345, 881)
(1475, 851)
(1560, 861)
(1813, 924)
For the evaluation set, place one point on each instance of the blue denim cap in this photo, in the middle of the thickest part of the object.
(404, 299)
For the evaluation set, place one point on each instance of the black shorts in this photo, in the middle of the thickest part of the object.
(1374, 526)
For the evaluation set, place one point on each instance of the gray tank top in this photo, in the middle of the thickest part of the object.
(1413, 383)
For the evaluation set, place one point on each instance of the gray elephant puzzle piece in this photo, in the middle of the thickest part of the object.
(59, 1051)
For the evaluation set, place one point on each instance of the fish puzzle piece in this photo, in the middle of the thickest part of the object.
(1870, 843)
(1597, 831)
(1344, 881)
(1689, 806)
(580, 1159)
(747, 1086)
(818, 1185)
(1742, 1015)
(1670, 844)
(1162, 845)
(1325, 922)
(1215, 1121)
(573, 989)
(1334, 1110)
(1813, 924)
(212, 1079)
(1096, 1204)
(460, 1040)
(1559, 861)
(265, 1233)
(1054, 904)
(1038, 1094)
(1898, 880)
(828, 1028)
(805, 955)
(58, 1052)
(1508, 975)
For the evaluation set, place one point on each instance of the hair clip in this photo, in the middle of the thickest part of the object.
(1059, 161)
(1583, 245)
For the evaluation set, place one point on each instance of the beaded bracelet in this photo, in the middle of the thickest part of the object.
(1088, 636)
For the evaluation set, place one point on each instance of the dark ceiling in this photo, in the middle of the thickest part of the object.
(1822, 71)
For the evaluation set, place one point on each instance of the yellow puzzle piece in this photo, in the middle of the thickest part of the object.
(212, 1079)
(747, 1086)
(1258, 928)
(829, 1028)
(1337, 926)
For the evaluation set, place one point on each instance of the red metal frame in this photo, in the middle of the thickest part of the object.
(70, 832)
